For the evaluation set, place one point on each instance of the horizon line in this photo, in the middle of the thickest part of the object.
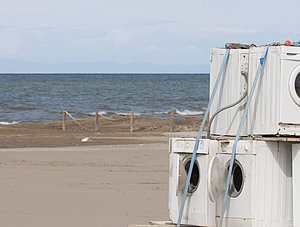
(144, 73)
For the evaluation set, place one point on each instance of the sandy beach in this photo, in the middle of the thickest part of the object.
(50, 178)
(112, 131)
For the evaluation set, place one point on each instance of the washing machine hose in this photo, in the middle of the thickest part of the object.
(225, 60)
(262, 60)
(227, 107)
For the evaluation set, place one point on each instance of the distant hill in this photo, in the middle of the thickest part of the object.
(19, 66)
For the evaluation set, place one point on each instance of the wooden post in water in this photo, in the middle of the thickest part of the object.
(131, 121)
(97, 122)
(64, 120)
(172, 122)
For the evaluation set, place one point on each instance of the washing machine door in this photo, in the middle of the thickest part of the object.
(216, 178)
(294, 85)
(182, 177)
(184, 165)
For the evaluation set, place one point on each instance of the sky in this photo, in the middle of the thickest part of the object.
(161, 32)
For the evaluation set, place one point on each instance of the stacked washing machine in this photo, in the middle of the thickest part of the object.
(200, 210)
(265, 171)
(275, 108)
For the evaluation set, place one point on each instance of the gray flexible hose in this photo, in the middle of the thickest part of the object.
(227, 107)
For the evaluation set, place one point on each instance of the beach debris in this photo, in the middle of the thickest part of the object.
(86, 139)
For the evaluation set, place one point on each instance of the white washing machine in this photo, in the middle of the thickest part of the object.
(275, 107)
(232, 86)
(260, 193)
(199, 210)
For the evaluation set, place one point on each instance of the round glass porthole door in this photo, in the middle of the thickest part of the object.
(297, 85)
(294, 85)
(195, 177)
(216, 177)
(237, 179)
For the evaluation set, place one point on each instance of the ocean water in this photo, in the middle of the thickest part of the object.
(42, 97)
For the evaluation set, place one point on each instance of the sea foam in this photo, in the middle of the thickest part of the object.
(189, 112)
(8, 123)
(99, 113)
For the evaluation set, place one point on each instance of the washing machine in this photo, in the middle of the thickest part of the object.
(260, 192)
(275, 107)
(199, 210)
(232, 86)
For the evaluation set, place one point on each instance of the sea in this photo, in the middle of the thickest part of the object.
(27, 98)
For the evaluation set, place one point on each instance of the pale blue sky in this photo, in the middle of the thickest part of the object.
(156, 31)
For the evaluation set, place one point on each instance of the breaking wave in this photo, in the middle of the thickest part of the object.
(189, 112)
(8, 123)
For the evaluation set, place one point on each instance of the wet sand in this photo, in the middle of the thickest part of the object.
(49, 177)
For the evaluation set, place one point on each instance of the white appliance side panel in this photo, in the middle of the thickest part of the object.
(264, 110)
(273, 187)
(232, 86)
(296, 184)
(217, 56)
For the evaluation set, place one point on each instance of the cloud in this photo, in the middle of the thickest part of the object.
(168, 31)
